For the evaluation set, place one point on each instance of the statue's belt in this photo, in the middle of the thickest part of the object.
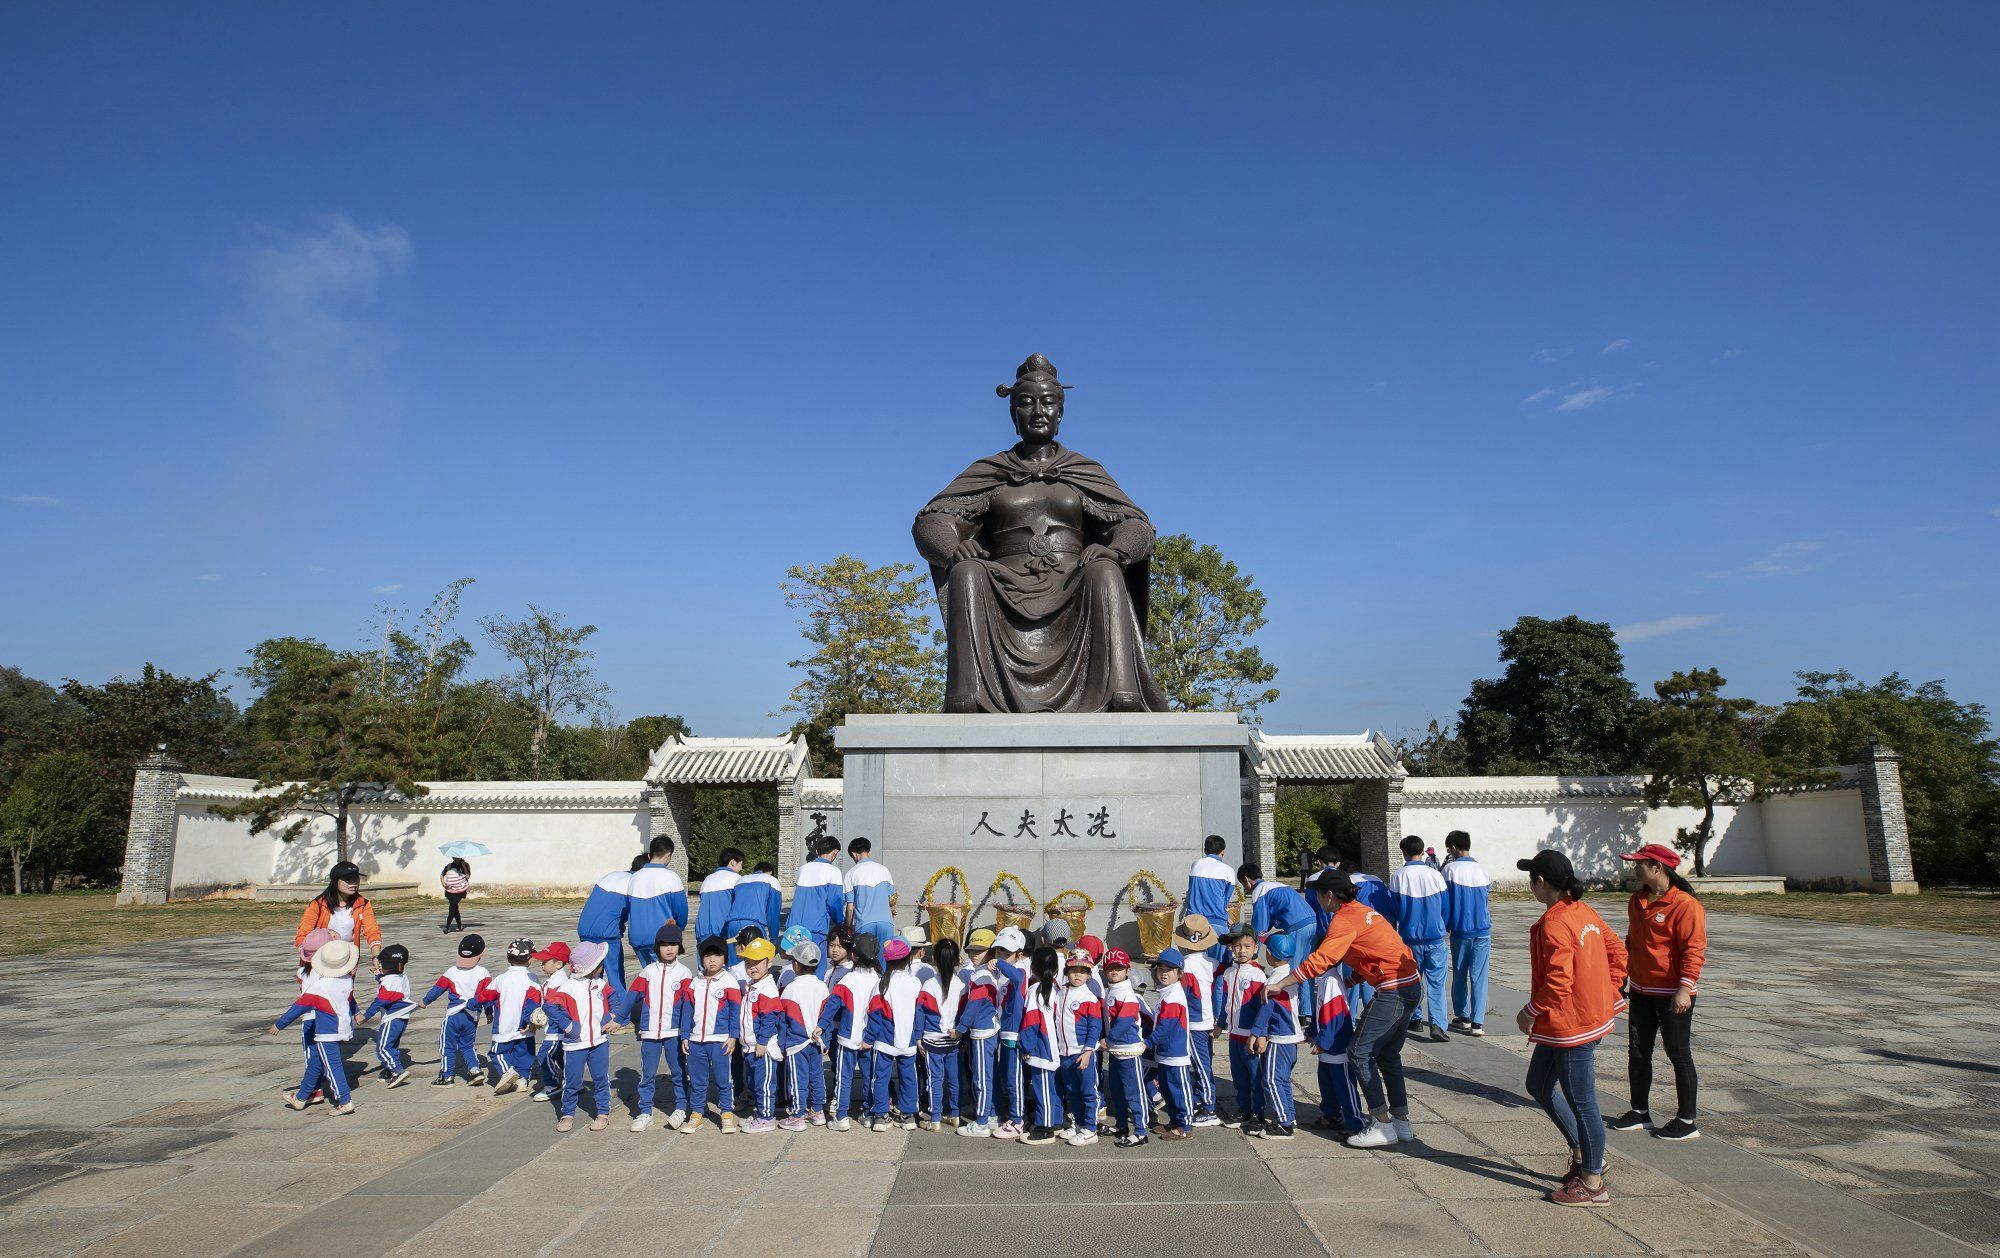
(1037, 544)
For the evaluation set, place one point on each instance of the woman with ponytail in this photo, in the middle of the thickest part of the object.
(1576, 996)
(1668, 944)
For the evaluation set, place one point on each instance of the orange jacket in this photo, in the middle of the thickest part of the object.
(1365, 941)
(317, 915)
(1579, 973)
(1668, 942)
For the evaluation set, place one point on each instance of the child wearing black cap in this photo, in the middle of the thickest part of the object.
(392, 1002)
(510, 998)
(461, 984)
(655, 1013)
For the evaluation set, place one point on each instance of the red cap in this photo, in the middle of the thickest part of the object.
(1093, 945)
(1655, 852)
(1117, 957)
(557, 951)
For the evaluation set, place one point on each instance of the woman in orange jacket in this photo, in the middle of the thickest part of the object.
(1578, 978)
(1668, 944)
(342, 909)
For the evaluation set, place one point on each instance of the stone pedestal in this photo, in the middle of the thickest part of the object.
(1889, 860)
(150, 832)
(1063, 801)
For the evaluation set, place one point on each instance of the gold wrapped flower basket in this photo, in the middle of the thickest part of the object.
(945, 919)
(1156, 911)
(1070, 906)
(1008, 912)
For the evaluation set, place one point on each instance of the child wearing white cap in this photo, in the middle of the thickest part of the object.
(327, 998)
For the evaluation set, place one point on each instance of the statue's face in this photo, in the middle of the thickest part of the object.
(1038, 409)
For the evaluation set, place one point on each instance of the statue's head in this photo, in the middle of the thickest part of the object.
(1036, 399)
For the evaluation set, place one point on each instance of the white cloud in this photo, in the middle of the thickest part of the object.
(1994, 511)
(1592, 395)
(1378, 388)
(1617, 346)
(391, 588)
(1546, 355)
(1539, 395)
(1641, 630)
(308, 319)
(1728, 354)
(1783, 560)
(34, 500)
(209, 576)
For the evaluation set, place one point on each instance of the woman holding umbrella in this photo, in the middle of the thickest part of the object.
(456, 879)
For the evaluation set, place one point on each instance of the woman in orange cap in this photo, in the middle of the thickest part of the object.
(1668, 944)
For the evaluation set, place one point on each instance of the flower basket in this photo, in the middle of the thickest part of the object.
(946, 918)
(1236, 906)
(1007, 912)
(1065, 904)
(1156, 912)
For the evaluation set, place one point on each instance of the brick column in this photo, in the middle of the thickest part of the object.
(670, 812)
(150, 834)
(1381, 807)
(791, 850)
(1260, 823)
(1888, 828)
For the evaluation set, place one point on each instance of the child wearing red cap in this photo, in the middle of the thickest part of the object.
(1667, 945)
(551, 963)
(1125, 1046)
(1079, 1028)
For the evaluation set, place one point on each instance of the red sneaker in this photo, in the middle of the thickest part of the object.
(1578, 1193)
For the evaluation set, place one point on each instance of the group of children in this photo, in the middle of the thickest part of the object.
(1006, 1037)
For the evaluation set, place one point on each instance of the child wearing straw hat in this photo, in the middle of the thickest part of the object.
(327, 1001)
(1199, 946)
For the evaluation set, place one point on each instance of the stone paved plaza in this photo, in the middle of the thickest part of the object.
(1847, 1110)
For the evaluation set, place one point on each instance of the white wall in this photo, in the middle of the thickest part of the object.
(1818, 835)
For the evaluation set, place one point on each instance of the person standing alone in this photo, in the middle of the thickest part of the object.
(456, 880)
(1418, 889)
(1469, 922)
(1668, 945)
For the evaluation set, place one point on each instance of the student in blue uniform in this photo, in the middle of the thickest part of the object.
(819, 899)
(1469, 922)
(869, 890)
(758, 901)
(1210, 883)
(1418, 888)
(602, 920)
(718, 894)
(655, 898)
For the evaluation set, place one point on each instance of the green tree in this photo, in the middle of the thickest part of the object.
(30, 711)
(875, 646)
(744, 817)
(277, 669)
(337, 746)
(52, 821)
(1307, 819)
(1951, 762)
(1702, 753)
(1563, 705)
(415, 675)
(552, 669)
(1203, 612)
(1438, 754)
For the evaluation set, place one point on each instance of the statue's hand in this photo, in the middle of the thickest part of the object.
(1093, 552)
(968, 549)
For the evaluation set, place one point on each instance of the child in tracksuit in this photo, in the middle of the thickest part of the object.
(1199, 945)
(587, 1008)
(1240, 1004)
(393, 1005)
(552, 963)
(945, 989)
(461, 986)
(1040, 1000)
(513, 995)
(802, 1000)
(978, 1026)
(1125, 1045)
(1006, 966)
(711, 1016)
(1282, 1035)
(763, 1048)
(655, 1014)
(308, 947)
(1170, 1042)
(1333, 1031)
(326, 1001)
(844, 1025)
(900, 1014)
(1079, 1028)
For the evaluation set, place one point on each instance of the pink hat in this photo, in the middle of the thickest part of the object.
(1655, 852)
(895, 950)
(586, 957)
(313, 942)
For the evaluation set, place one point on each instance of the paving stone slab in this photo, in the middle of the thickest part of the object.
(98, 1186)
(823, 1229)
(1084, 1180)
(864, 1184)
(1538, 1227)
(1968, 1214)
(490, 1232)
(1390, 1227)
(46, 1233)
(193, 1233)
(1363, 1180)
(1272, 1230)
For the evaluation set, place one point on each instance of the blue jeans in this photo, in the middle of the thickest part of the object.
(1433, 957)
(1376, 1056)
(1469, 955)
(1575, 1113)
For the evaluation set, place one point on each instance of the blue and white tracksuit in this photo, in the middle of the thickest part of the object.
(1210, 884)
(1276, 909)
(1198, 996)
(803, 999)
(655, 1014)
(1125, 1047)
(946, 993)
(327, 1004)
(393, 1004)
(978, 1026)
(1419, 888)
(459, 1031)
(1079, 1029)
(655, 896)
(1284, 1032)
(1333, 1032)
(869, 890)
(718, 891)
(1042, 1056)
(763, 1048)
(1240, 1007)
(581, 1008)
(1171, 1043)
(603, 921)
(819, 903)
(548, 1057)
(901, 1014)
(844, 1026)
(513, 995)
(1469, 922)
(711, 1014)
(1008, 1063)
(757, 901)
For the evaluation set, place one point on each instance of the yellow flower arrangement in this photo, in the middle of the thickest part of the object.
(1149, 882)
(1055, 899)
(1003, 880)
(951, 871)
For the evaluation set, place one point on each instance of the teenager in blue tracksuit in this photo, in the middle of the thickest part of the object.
(869, 891)
(1419, 918)
(602, 920)
(717, 892)
(1469, 923)
(655, 896)
(1210, 883)
(1276, 909)
(758, 901)
(819, 898)
(1005, 962)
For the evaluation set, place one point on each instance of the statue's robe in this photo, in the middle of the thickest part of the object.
(1032, 629)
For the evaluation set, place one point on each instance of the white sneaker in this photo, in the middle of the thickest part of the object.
(643, 1121)
(1082, 1137)
(508, 1081)
(1378, 1136)
(976, 1129)
(1403, 1129)
(1208, 1120)
(675, 1119)
(843, 1123)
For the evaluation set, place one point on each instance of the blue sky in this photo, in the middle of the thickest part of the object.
(1681, 317)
